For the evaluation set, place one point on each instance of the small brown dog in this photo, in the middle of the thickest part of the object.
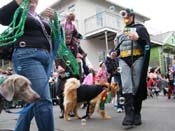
(19, 87)
(76, 94)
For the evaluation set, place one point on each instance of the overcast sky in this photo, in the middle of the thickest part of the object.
(161, 12)
(42, 3)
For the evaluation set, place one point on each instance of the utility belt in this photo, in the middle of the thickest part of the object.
(23, 44)
(126, 53)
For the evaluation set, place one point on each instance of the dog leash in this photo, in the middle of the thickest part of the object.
(29, 106)
(2, 79)
(24, 110)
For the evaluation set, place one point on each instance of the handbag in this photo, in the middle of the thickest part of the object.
(6, 52)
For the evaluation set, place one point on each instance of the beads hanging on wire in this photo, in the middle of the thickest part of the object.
(63, 52)
(15, 28)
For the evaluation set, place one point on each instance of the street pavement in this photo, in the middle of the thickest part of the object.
(157, 115)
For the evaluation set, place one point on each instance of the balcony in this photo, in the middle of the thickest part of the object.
(96, 25)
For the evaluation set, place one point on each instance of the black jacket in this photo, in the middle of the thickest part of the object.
(85, 93)
(112, 66)
(33, 33)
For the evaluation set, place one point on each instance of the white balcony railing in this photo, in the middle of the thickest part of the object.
(103, 20)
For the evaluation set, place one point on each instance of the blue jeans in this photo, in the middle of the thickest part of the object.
(33, 63)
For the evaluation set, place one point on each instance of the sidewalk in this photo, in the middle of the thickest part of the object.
(158, 115)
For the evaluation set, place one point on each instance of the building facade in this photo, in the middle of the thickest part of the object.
(163, 52)
(98, 21)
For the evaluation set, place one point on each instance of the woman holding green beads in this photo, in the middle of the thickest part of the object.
(31, 58)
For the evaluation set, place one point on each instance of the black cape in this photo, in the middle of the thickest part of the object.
(144, 39)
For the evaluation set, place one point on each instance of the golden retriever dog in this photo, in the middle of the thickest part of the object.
(75, 94)
(18, 87)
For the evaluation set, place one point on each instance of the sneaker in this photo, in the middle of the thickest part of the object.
(61, 116)
(115, 106)
(119, 110)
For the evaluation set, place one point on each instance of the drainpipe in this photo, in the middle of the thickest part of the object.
(106, 41)
(2, 61)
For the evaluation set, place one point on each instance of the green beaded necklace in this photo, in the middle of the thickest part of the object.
(14, 29)
(63, 52)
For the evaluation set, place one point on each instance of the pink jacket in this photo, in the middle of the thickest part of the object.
(88, 80)
(101, 76)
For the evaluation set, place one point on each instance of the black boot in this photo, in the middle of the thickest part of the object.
(129, 110)
(137, 112)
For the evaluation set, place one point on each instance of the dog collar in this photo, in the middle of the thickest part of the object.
(104, 97)
(2, 79)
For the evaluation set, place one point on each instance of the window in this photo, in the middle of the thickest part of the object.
(62, 15)
(101, 56)
(71, 8)
(172, 40)
(112, 8)
(99, 16)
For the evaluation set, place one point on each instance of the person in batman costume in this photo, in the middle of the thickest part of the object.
(134, 47)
